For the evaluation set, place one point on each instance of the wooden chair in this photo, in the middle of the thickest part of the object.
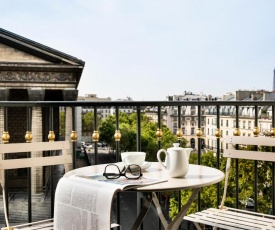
(231, 218)
(64, 158)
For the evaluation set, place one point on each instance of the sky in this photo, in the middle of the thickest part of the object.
(149, 49)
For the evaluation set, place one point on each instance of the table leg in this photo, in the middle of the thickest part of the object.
(146, 205)
(178, 219)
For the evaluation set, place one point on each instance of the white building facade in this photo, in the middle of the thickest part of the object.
(246, 117)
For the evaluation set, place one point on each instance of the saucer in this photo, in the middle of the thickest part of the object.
(145, 165)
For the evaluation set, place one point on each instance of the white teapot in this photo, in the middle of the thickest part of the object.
(176, 161)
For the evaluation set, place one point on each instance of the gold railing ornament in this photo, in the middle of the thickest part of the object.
(73, 136)
(272, 132)
(51, 136)
(117, 135)
(159, 134)
(95, 135)
(256, 131)
(6, 137)
(28, 137)
(218, 133)
(237, 132)
(179, 134)
(199, 133)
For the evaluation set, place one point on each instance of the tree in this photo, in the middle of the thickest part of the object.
(107, 130)
(128, 130)
(246, 184)
(88, 122)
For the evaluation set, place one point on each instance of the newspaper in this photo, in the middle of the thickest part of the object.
(85, 202)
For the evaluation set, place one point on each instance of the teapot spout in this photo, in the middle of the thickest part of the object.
(188, 150)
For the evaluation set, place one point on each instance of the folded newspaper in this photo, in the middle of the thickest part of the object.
(85, 202)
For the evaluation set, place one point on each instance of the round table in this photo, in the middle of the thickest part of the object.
(198, 176)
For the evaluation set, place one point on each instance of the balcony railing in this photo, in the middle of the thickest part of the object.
(23, 206)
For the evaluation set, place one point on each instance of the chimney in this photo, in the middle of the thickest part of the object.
(273, 81)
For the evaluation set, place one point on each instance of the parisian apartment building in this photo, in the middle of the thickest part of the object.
(189, 116)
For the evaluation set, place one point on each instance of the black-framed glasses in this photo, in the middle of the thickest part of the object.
(112, 171)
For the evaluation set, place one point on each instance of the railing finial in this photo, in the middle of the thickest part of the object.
(28, 136)
(117, 135)
(95, 135)
(199, 133)
(73, 136)
(237, 132)
(6, 137)
(159, 134)
(179, 134)
(256, 131)
(51, 136)
(218, 133)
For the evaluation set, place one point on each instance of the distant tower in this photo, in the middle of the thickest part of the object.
(273, 81)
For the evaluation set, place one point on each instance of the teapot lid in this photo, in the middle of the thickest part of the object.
(176, 146)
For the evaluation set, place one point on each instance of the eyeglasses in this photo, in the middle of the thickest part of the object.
(112, 171)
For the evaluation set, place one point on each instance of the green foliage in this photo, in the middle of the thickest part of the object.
(107, 129)
(62, 123)
(128, 130)
(88, 122)
(246, 181)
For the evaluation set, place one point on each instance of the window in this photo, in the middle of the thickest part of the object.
(214, 121)
(249, 124)
(221, 122)
(226, 123)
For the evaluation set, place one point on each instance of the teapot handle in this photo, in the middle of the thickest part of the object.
(158, 157)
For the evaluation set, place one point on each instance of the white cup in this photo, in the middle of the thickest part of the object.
(136, 158)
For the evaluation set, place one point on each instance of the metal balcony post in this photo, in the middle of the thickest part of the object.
(95, 135)
(273, 164)
(117, 159)
(138, 129)
(237, 133)
(117, 129)
(29, 182)
(256, 132)
(51, 128)
(218, 135)
(74, 142)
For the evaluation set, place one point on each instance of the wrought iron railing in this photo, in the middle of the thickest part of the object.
(139, 107)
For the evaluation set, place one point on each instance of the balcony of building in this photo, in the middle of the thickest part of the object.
(24, 205)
